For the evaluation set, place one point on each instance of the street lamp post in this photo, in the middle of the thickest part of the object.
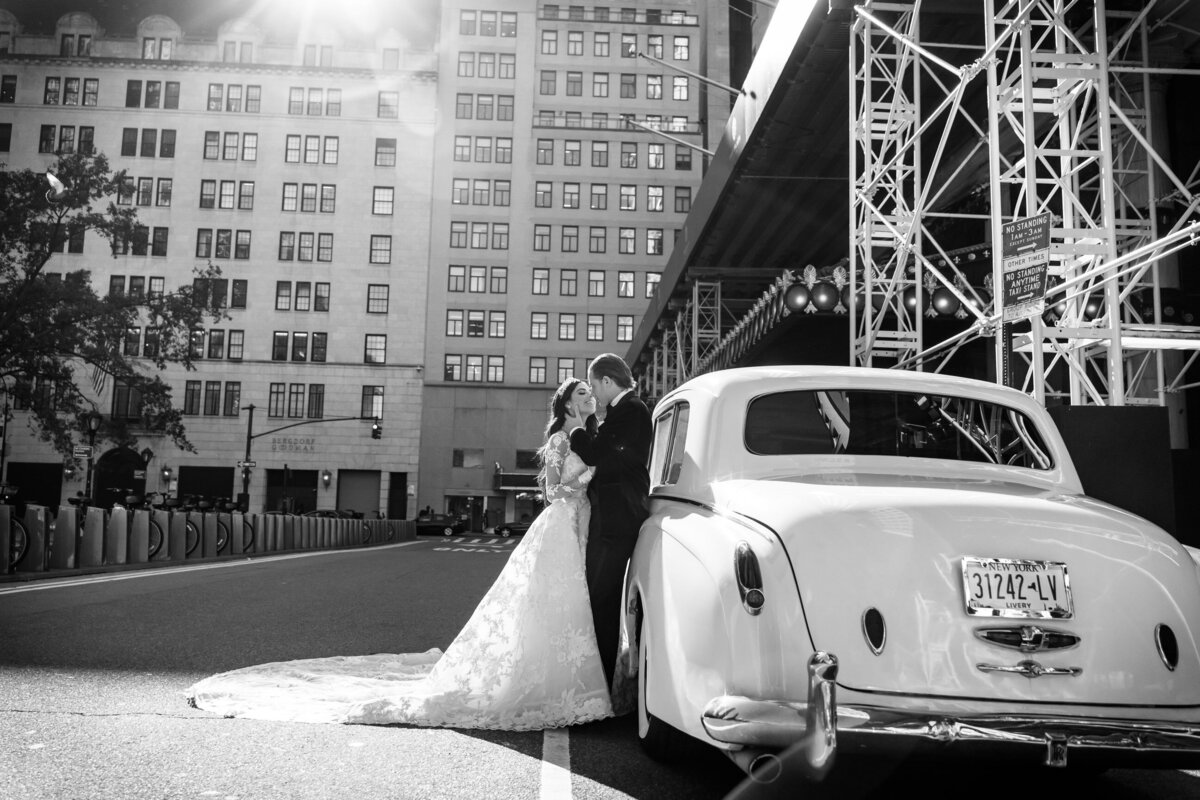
(93, 425)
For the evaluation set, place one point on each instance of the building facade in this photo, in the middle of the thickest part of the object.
(430, 237)
(572, 139)
(302, 170)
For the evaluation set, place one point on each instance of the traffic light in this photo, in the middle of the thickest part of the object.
(376, 430)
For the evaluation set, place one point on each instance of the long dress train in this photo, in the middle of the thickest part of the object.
(526, 660)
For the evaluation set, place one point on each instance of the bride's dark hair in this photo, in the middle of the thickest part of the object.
(558, 417)
(558, 409)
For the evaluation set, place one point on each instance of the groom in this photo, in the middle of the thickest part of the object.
(619, 493)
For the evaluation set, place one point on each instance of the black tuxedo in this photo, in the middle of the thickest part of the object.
(619, 494)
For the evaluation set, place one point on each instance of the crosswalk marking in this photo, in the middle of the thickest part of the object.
(556, 765)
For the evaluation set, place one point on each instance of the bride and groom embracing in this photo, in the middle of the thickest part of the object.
(540, 649)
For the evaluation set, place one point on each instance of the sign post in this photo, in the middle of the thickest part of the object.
(1025, 257)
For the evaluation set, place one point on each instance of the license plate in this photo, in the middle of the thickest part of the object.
(1016, 588)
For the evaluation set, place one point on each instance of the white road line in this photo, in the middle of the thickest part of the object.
(556, 765)
(106, 577)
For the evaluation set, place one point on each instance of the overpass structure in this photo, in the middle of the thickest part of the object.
(865, 203)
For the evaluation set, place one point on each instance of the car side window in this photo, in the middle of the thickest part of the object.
(670, 433)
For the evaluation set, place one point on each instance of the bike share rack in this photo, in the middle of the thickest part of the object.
(75, 538)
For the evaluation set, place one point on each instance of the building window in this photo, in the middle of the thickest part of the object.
(316, 400)
(679, 88)
(497, 324)
(462, 148)
(543, 194)
(503, 150)
(212, 398)
(487, 65)
(566, 327)
(574, 84)
(479, 232)
(575, 43)
(654, 241)
(299, 346)
(454, 322)
(547, 82)
(624, 328)
(502, 196)
(499, 235)
(627, 242)
(466, 65)
(303, 295)
(464, 104)
(683, 199)
(388, 105)
(508, 66)
(474, 369)
(683, 157)
(320, 342)
(628, 86)
(508, 24)
(568, 281)
(570, 239)
(654, 198)
(456, 278)
(629, 155)
(381, 249)
(566, 368)
(652, 280)
(572, 153)
(191, 397)
(595, 327)
(599, 154)
(495, 369)
(597, 239)
(377, 298)
(541, 238)
(537, 369)
(625, 284)
(539, 323)
(385, 152)
(549, 43)
(237, 343)
(654, 87)
(600, 45)
(452, 368)
(505, 108)
(475, 321)
(383, 200)
(545, 151)
(628, 197)
(570, 195)
(595, 283)
(477, 283)
(372, 402)
(233, 399)
(484, 106)
(375, 349)
(541, 281)
(499, 280)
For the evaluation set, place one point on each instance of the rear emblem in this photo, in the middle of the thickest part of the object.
(1028, 638)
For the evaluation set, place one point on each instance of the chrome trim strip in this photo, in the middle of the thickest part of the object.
(777, 724)
(1030, 669)
(1028, 638)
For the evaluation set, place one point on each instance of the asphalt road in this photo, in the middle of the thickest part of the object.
(93, 672)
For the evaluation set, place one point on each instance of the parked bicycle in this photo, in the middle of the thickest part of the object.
(157, 536)
(18, 534)
(191, 502)
(226, 506)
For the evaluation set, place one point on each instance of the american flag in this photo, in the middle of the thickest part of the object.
(99, 378)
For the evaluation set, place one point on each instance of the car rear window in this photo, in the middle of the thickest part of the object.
(913, 424)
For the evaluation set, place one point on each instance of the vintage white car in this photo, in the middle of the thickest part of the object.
(870, 560)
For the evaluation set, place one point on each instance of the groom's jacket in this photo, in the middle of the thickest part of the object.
(620, 449)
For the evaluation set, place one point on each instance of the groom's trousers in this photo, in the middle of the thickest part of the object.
(617, 514)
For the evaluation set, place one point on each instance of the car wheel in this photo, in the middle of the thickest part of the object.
(447, 531)
(658, 739)
(505, 532)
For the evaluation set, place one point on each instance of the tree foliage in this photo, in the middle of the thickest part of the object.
(59, 337)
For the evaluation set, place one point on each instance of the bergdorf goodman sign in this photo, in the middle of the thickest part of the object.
(293, 444)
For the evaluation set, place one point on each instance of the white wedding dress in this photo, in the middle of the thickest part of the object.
(526, 660)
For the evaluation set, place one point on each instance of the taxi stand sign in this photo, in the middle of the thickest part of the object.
(1025, 259)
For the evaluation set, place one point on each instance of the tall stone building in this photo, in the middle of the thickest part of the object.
(570, 145)
(430, 233)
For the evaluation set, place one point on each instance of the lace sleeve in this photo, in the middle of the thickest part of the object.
(556, 453)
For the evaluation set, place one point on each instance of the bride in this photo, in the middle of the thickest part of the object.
(526, 660)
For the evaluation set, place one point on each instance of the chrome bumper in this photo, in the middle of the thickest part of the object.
(817, 728)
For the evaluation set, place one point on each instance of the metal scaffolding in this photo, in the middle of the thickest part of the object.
(1068, 131)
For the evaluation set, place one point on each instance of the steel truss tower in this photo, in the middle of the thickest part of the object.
(1067, 129)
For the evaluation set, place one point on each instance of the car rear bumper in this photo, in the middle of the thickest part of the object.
(738, 723)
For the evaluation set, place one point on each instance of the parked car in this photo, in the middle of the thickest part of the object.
(507, 529)
(870, 560)
(441, 524)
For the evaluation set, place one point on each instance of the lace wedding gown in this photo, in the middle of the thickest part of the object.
(526, 660)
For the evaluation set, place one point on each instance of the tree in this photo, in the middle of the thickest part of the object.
(58, 337)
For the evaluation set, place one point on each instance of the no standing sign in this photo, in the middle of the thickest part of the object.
(1025, 257)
